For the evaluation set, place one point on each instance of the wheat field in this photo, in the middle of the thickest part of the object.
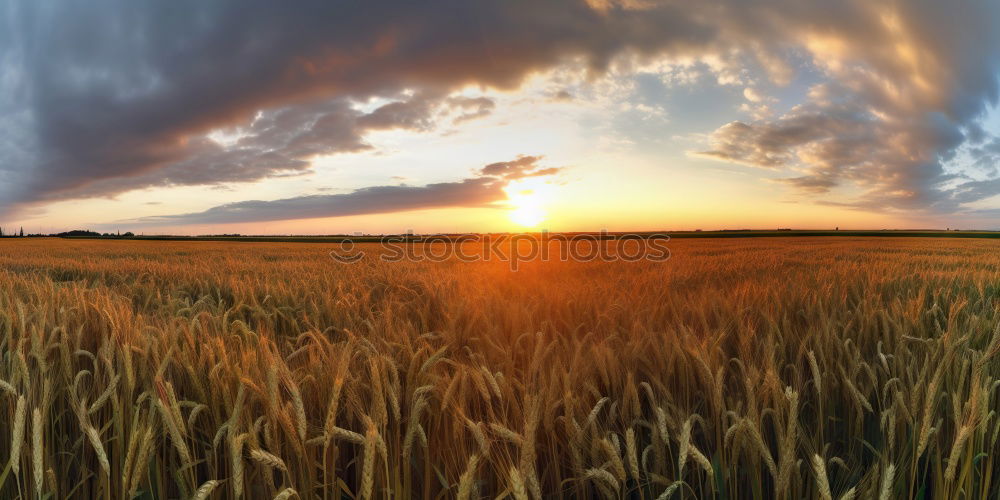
(831, 368)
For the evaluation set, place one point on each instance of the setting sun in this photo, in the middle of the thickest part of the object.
(527, 216)
(527, 199)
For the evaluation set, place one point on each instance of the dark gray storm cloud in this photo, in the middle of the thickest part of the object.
(281, 142)
(103, 96)
(117, 93)
(484, 189)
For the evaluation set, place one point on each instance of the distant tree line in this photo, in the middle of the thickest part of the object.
(93, 234)
(74, 233)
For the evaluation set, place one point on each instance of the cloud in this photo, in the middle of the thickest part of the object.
(519, 168)
(105, 96)
(905, 87)
(483, 190)
(282, 141)
(471, 107)
(898, 162)
(372, 200)
(815, 184)
(752, 95)
(831, 142)
(412, 114)
(986, 156)
(119, 94)
(562, 96)
(971, 191)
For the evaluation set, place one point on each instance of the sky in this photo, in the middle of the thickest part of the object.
(335, 116)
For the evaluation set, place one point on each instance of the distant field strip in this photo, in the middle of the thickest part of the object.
(606, 235)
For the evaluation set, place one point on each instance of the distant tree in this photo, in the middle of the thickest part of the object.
(22, 232)
(128, 234)
(1, 232)
(79, 232)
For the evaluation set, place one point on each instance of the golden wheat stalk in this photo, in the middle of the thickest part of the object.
(671, 489)
(174, 431)
(848, 495)
(822, 483)
(37, 449)
(517, 485)
(816, 373)
(301, 424)
(286, 493)
(631, 453)
(602, 477)
(956, 450)
(17, 436)
(205, 490)
(236, 462)
(95, 442)
(6, 387)
(368, 467)
(885, 492)
(267, 459)
(616, 461)
(465, 483)
(142, 460)
(330, 422)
